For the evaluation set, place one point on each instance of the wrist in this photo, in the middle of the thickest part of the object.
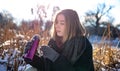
(55, 57)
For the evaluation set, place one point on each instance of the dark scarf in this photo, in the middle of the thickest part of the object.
(72, 49)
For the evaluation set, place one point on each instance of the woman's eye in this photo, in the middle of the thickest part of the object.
(62, 23)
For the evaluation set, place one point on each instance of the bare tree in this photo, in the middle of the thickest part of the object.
(94, 17)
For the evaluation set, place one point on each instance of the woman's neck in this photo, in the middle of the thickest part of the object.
(59, 41)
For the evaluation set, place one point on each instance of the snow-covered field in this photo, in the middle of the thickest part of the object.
(99, 40)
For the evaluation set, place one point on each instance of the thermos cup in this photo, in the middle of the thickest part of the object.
(34, 45)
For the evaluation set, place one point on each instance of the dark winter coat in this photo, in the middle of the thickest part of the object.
(75, 55)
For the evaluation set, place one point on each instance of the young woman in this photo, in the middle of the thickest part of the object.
(68, 49)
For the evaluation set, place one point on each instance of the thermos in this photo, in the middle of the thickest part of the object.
(31, 52)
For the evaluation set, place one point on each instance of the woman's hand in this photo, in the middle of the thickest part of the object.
(49, 53)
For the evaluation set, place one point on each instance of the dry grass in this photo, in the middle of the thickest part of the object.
(106, 57)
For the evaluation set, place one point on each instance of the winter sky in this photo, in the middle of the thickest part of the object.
(21, 9)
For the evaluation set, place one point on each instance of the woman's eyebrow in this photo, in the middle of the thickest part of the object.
(62, 20)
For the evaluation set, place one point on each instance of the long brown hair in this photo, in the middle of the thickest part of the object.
(73, 26)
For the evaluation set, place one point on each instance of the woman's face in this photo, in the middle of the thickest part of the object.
(60, 25)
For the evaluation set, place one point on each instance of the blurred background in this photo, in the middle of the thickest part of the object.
(21, 19)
